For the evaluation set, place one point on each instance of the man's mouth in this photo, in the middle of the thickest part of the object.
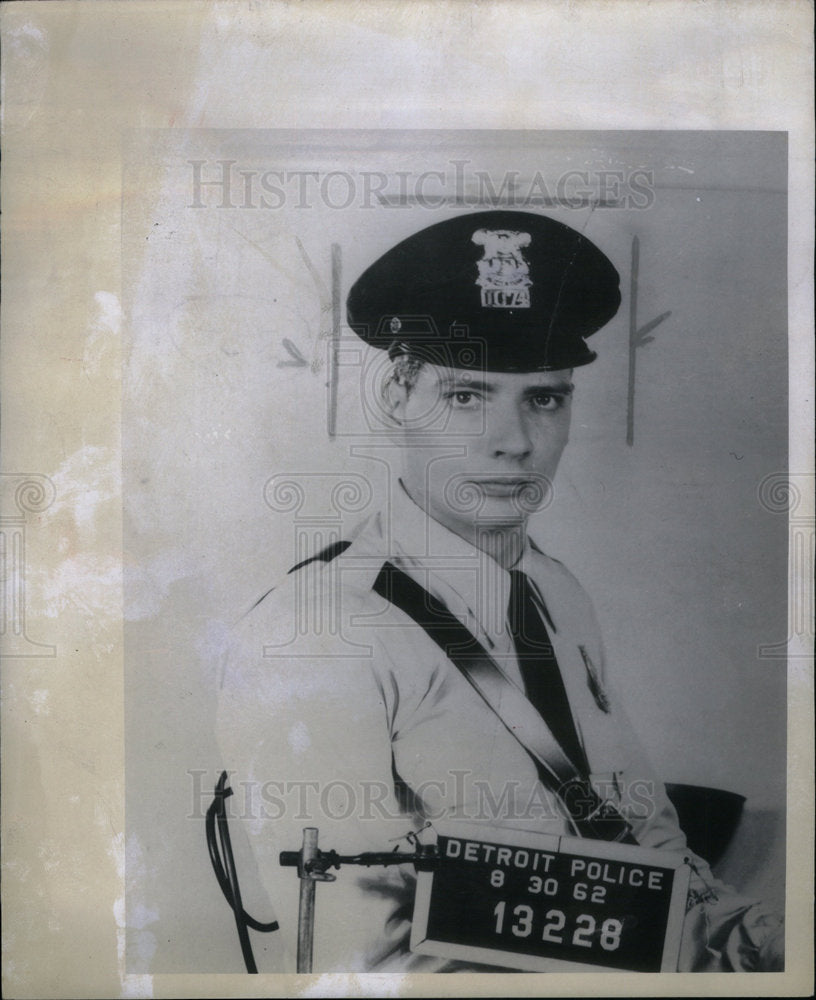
(526, 492)
(505, 486)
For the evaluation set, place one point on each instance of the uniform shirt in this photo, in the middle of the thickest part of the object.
(338, 711)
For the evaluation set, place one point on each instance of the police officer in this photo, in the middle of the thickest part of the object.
(371, 721)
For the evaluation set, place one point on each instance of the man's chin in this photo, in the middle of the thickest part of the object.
(501, 510)
(495, 513)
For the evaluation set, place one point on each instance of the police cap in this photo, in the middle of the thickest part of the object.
(496, 291)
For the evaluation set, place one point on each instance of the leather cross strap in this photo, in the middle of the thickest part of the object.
(591, 816)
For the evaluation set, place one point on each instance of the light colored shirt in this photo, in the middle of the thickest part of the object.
(337, 711)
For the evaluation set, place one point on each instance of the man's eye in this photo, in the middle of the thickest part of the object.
(546, 401)
(462, 398)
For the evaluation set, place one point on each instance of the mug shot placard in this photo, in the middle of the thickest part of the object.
(538, 903)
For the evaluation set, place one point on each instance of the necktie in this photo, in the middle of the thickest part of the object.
(543, 683)
(544, 687)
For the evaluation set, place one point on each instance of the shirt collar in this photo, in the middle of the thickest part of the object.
(472, 584)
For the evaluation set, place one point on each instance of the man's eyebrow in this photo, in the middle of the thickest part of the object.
(555, 389)
(465, 382)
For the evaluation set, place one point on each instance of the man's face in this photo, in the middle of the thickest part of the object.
(487, 459)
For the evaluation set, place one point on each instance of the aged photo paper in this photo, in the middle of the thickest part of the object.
(193, 194)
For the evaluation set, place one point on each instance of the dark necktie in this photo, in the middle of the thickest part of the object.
(544, 688)
(543, 683)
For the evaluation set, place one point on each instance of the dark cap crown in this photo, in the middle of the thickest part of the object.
(497, 290)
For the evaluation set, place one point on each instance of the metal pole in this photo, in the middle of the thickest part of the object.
(307, 901)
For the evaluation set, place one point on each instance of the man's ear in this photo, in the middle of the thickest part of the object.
(395, 398)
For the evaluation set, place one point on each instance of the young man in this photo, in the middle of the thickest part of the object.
(436, 665)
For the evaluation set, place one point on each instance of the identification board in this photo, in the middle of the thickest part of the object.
(541, 903)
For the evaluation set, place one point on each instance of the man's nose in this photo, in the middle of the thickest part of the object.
(508, 435)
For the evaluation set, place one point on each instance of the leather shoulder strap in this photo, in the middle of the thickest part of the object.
(517, 714)
(590, 815)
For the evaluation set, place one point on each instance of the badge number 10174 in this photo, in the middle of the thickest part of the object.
(583, 903)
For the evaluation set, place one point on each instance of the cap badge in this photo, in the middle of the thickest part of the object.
(504, 275)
